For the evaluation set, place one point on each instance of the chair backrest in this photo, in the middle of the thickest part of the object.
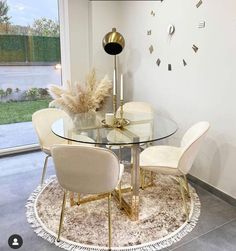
(86, 169)
(137, 110)
(191, 143)
(42, 121)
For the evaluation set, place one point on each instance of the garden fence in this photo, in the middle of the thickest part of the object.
(29, 49)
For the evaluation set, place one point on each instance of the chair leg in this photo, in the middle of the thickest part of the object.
(187, 186)
(120, 154)
(79, 197)
(72, 199)
(183, 198)
(109, 220)
(142, 176)
(120, 195)
(44, 169)
(62, 216)
(152, 178)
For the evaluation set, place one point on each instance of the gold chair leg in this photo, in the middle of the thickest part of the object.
(152, 178)
(120, 195)
(187, 186)
(109, 220)
(183, 198)
(78, 197)
(72, 200)
(142, 176)
(44, 169)
(62, 216)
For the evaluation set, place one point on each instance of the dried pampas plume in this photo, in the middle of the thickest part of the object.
(79, 99)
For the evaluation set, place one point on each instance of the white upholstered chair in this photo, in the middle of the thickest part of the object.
(135, 111)
(86, 170)
(42, 121)
(139, 111)
(176, 161)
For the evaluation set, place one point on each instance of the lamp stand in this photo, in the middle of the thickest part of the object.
(115, 87)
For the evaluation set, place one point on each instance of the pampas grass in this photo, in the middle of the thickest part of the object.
(79, 99)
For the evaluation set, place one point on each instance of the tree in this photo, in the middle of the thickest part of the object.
(4, 8)
(20, 30)
(46, 27)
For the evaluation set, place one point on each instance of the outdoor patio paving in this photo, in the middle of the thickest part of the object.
(25, 77)
(17, 134)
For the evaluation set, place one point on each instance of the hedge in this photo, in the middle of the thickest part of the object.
(18, 48)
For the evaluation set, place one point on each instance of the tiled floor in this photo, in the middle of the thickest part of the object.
(19, 175)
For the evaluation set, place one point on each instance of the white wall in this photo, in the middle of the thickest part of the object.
(74, 28)
(83, 24)
(204, 90)
(105, 15)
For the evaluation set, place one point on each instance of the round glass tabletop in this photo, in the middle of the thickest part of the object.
(88, 128)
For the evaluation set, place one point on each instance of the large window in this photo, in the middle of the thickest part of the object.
(29, 62)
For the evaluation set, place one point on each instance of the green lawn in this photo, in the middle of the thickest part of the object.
(21, 111)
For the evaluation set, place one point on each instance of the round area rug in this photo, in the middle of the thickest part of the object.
(161, 223)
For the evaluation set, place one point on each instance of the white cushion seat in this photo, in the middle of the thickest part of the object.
(47, 149)
(83, 138)
(162, 159)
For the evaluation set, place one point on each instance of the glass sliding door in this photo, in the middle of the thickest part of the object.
(29, 62)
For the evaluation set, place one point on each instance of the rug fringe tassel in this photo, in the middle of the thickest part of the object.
(155, 245)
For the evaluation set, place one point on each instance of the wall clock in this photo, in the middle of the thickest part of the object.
(174, 26)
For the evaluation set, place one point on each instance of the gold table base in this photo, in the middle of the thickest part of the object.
(131, 210)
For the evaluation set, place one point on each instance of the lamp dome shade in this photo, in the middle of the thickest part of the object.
(113, 42)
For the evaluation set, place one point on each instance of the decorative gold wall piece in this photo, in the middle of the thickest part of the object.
(199, 4)
(195, 48)
(153, 13)
(151, 49)
(202, 24)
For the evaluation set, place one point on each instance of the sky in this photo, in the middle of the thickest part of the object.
(23, 12)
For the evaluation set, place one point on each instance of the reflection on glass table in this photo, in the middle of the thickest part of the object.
(137, 132)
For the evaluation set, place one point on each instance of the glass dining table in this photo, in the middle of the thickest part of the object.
(90, 129)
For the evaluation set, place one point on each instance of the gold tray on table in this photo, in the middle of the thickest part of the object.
(119, 123)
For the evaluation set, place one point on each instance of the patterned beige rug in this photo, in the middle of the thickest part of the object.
(162, 221)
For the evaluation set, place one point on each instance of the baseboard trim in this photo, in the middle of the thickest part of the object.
(19, 150)
(213, 190)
